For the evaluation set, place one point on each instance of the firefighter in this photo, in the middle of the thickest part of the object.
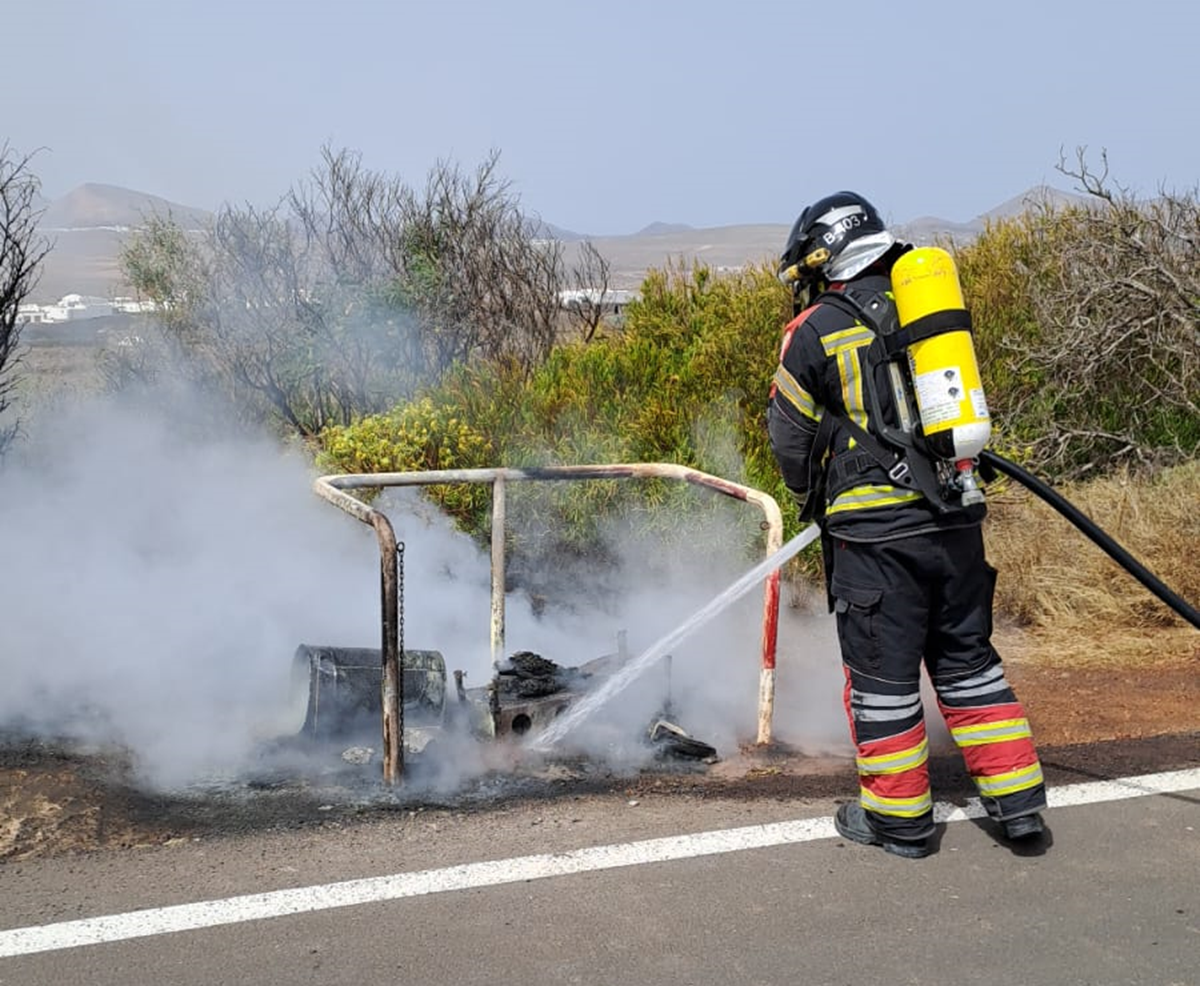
(904, 559)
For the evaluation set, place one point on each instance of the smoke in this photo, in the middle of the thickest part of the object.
(158, 582)
(654, 583)
(160, 577)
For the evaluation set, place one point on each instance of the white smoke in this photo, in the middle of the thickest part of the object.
(710, 680)
(158, 581)
(158, 584)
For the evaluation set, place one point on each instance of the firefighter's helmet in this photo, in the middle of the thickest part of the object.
(835, 239)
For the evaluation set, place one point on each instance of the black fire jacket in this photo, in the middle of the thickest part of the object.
(823, 369)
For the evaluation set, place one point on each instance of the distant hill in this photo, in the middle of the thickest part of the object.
(87, 229)
(95, 206)
(89, 225)
(81, 261)
(1034, 196)
(664, 229)
(548, 231)
(737, 246)
(631, 256)
(929, 229)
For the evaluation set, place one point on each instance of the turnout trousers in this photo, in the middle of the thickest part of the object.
(927, 600)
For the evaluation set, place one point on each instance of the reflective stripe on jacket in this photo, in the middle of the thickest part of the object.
(823, 364)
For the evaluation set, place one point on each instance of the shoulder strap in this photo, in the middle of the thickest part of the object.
(873, 308)
(916, 471)
(813, 508)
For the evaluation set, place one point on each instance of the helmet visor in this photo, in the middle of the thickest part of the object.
(858, 255)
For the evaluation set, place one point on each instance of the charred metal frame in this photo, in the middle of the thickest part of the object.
(334, 489)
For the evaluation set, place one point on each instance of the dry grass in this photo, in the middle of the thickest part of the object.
(1052, 576)
(1120, 651)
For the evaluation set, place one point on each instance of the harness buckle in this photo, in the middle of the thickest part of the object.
(900, 473)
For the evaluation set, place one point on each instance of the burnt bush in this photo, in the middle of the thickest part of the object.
(348, 295)
(1088, 324)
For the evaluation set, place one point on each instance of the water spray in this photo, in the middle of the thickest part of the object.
(628, 673)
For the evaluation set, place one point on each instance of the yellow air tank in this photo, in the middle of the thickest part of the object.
(941, 358)
(945, 374)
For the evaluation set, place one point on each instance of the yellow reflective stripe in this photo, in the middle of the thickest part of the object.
(900, 807)
(843, 345)
(997, 785)
(852, 338)
(864, 497)
(895, 763)
(991, 732)
(852, 391)
(796, 395)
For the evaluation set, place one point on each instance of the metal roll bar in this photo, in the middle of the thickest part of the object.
(334, 489)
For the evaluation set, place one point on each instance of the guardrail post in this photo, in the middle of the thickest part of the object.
(499, 520)
(770, 639)
(391, 690)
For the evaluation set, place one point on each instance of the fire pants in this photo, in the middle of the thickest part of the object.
(927, 599)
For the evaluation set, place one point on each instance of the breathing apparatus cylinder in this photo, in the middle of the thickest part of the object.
(951, 404)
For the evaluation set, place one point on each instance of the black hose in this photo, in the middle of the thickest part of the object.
(1089, 528)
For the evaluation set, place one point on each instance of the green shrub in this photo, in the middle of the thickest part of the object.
(685, 381)
(425, 435)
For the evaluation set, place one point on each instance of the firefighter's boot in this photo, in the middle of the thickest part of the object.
(1023, 827)
(851, 822)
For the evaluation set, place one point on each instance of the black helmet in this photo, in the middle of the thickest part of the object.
(834, 239)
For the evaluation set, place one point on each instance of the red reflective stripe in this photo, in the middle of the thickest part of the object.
(893, 744)
(908, 784)
(911, 783)
(846, 705)
(981, 715)
(789, 330)
(787, 341)
(999, 758)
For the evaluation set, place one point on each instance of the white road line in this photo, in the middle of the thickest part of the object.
(301, 900)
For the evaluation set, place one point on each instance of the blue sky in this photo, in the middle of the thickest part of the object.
(609, 115)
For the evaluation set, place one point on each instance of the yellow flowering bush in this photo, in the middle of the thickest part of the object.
(422, 436)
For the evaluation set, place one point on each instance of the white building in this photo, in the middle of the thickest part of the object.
(132, 306)
(609, 300)
(77, 307)
(30, 314)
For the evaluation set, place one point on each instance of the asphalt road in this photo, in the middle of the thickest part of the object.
(1111, 899)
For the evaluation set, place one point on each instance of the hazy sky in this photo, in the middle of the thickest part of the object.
(611, 115)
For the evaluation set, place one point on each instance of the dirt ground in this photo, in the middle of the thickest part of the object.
(1130, 705)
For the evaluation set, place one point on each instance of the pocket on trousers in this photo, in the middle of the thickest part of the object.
(857, 609)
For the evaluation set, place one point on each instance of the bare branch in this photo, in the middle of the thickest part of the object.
(1116, 292)
(21, 253)
(591, 279)
(354, 290)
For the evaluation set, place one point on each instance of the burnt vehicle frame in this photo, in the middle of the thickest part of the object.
(336, 489)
